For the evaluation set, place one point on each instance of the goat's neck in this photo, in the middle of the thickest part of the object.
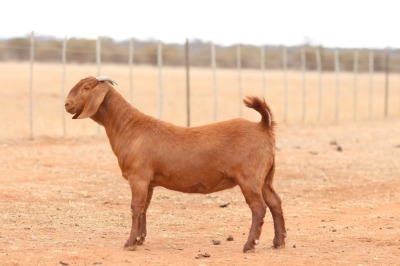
(118, 117)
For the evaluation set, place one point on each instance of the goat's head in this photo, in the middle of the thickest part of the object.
(85, 97)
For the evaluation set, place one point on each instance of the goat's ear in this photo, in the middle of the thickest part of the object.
(93, 101)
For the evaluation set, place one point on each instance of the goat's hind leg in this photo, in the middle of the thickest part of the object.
(258, 209)
(275, 206)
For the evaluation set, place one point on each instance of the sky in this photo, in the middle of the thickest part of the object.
(338, 23)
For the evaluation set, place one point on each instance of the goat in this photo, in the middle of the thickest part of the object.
(203, 159)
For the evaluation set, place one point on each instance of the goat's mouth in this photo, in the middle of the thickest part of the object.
(73, 111)
(76, 115)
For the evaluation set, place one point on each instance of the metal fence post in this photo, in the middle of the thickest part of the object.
(319, 70)
(160, 82)
(304, 84)
(371, 71)
(187, 83)
(387, 72)
(355, 88)
(98, 56)
(98, 63)
(337, 71)
(130, 62)
(64, 62)
(239, 69)
(214, 67)
(285, 84)
(32, 58)
(262, 66)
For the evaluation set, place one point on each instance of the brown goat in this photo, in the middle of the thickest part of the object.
(202, 159)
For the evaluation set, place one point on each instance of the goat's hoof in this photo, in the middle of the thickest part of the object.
(279, 244)
(140, 239)
(248, 248)
(130, 247)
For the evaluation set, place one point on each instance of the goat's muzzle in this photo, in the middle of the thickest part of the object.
(69, 107)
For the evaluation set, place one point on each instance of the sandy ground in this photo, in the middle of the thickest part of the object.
(63, 202)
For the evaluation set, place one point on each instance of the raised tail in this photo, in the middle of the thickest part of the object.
(262, 107)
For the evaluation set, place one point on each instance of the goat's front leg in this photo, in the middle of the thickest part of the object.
(143, 229)
(139, 191)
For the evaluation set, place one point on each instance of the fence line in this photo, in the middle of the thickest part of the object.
(304, 53)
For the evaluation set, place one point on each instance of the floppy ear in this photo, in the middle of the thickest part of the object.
(94, 100)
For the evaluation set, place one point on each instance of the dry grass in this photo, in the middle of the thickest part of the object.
(48, 109)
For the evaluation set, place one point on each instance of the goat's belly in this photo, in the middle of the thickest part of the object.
(190, 186)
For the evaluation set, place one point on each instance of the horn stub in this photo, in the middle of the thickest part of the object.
(108, 79)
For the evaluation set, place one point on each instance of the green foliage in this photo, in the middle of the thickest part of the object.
(48, 49)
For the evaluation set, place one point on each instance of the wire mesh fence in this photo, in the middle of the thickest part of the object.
(303, 84)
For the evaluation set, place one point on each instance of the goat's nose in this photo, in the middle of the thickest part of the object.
(68, 103)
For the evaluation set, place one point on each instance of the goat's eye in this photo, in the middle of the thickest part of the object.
(86, 88)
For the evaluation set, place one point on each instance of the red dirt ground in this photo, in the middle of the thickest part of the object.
(63, 202)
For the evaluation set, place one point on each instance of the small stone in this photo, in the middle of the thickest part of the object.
(216, 242)
(204, 255)
(229, 238)
(294, 246)
(224, 205)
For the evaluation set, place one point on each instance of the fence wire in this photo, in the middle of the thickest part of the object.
(302, 62)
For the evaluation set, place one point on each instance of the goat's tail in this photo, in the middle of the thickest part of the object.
(262, 107)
